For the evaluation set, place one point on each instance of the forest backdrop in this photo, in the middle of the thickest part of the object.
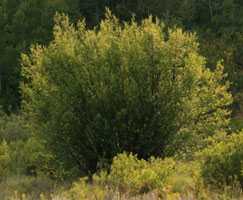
(218, 25)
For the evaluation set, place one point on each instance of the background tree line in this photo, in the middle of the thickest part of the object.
(218, 24)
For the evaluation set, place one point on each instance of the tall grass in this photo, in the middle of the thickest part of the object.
(28, 188)
(43, 188)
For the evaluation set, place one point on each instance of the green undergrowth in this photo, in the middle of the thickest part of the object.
(213, 173)
(131, 178)
(216, 173)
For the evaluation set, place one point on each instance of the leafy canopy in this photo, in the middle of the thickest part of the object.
(121, 87)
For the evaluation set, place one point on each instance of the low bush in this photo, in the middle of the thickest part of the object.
(132, 176)
(82, 190)
(222, 163)
(139, 176)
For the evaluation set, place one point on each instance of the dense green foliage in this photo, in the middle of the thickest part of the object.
(139, 176)
(92, 94)
(222, 162)
(165, 179)
(133, 177)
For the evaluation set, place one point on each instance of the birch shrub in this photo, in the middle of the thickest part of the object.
(91, 94)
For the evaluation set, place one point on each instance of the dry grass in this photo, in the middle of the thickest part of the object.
(33, 188)
(14, 187)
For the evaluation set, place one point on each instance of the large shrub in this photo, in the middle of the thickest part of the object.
(92, 94)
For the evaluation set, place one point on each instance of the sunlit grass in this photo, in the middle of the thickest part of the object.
(41, 188)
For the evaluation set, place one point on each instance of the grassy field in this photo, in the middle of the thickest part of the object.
(42, 188)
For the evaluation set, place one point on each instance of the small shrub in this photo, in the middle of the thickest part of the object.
(128, 175)
(135, 176)
(82, 190)
(186, 178)
(222, 163)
